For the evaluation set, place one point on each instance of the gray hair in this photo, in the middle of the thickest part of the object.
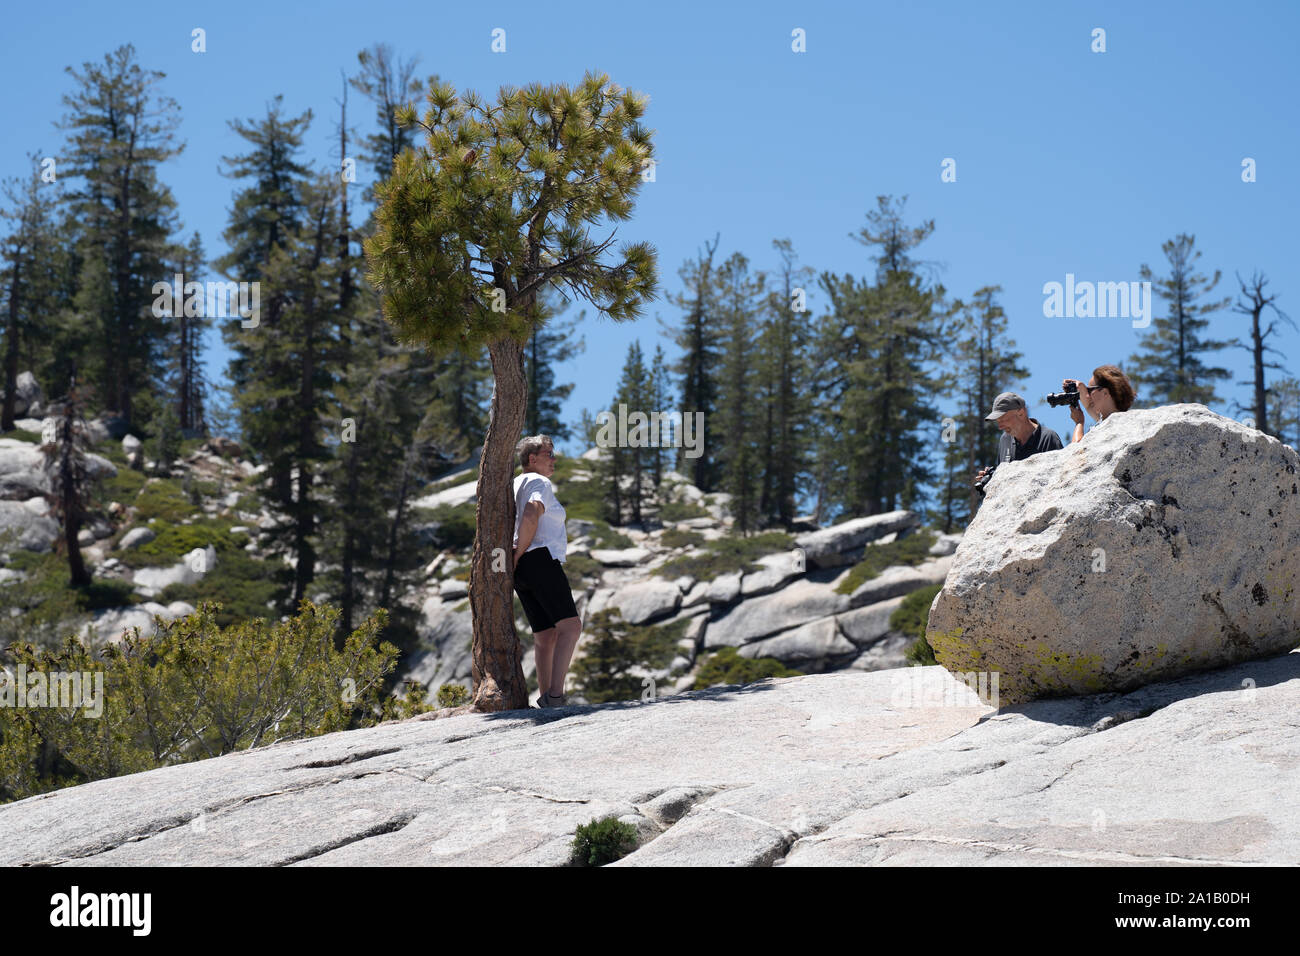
(530, 446)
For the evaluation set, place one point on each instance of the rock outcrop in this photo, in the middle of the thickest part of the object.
(1167, 541)
(890, 767)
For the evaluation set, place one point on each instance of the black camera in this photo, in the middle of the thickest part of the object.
(981, 482)
(1070, 396)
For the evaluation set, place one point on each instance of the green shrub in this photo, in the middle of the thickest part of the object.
(681, 538)
(602, 841)
(49, 606)
(614, 647)
(920, 653)
(682, 511)
(453, 695)
(415, 702)
(605, 535)
(22, 434)
(913, 612)
(726, 555)
(246, 587)
(910, 618)
(174, 541)
(913, 549)
(579, 566)
(728, 667)
(194, 690)
(164, 499)
(124, 486)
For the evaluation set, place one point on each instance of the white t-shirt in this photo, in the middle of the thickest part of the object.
(551, 533)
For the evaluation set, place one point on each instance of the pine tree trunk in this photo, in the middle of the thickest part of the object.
(1260, 409)
(399, 513)
(11, 353)
(498, 674)
(71, 492)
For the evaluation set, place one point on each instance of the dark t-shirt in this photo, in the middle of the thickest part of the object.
(1043, 439)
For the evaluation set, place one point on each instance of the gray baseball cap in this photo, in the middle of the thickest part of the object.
(1006, 402)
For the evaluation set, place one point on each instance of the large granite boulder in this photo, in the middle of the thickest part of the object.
(842, 543)
(29, 523)
(22, 470)
(27, 395)
(1167, 541)
(641, 601)
(797, 604)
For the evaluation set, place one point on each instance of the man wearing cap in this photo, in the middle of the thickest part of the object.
(1022, 436)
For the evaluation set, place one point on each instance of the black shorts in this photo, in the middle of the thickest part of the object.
(543, 589)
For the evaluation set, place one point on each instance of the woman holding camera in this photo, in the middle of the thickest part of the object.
(1109, 392)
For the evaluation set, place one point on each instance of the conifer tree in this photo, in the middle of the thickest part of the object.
(69, 479)
(1284, 417)
(741, 297)
(121, 131)
(388, 82)
(266, 214)
(33, 262)
(699, 337)
(1170, 363)
(630, 452)
(659, 392)
(877, 351)
(470, 229)
(186, 385)
(551, 343)
(784, 384)
(304, 274)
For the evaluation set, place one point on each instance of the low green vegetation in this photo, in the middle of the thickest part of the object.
(602, 841)
(123, 486)
(912, 549)
(580, 566)
(681, 511)
(910, 618)
(681, 538)
(174, 541)
(245, 586)
(161, 498)
(605, 535)
(728, 667)
(194, 690)
(22, 434)
(726, 555)
(452, 695)
(614, 647)
(49, 606)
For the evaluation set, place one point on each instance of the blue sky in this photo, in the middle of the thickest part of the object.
(1067, 161)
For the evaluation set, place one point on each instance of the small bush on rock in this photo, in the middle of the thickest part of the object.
(602, 841)
(728, 667)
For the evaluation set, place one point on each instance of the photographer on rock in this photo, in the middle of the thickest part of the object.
(1021, 437)
(1109, 392)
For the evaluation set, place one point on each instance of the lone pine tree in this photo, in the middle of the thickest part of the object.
(470, 227)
